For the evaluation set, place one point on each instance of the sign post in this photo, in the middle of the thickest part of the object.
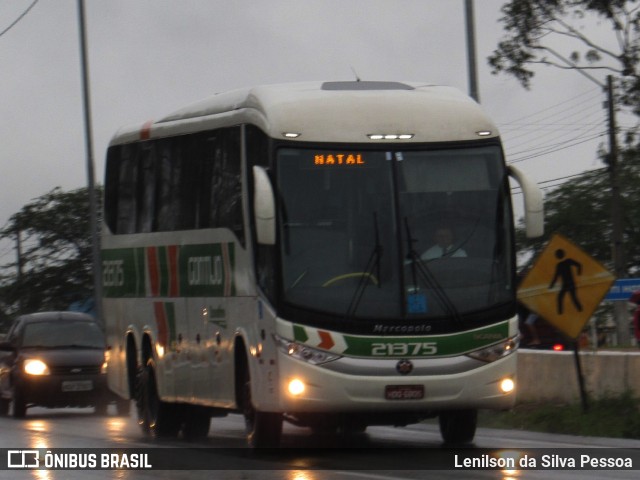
(565, 286)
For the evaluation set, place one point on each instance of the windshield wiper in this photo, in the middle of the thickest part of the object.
(373, 263)
(419, 267)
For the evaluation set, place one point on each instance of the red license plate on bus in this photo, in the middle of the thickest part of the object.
(404, 392)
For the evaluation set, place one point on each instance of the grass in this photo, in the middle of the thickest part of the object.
(616, 417)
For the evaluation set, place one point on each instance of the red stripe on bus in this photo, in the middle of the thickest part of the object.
(145, 131)
(326, 341)
(161, 323)
(174, 284)
(154, 271)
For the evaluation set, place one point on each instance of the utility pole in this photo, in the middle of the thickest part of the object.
(617, 235)
(471, 51)
(93, 203)
(19, 264)
(621, 316)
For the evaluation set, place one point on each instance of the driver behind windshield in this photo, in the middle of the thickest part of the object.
(444, 246)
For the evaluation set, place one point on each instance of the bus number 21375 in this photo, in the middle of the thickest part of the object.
(403, 349)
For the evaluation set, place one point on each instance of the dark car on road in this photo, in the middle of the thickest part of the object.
(54, 359)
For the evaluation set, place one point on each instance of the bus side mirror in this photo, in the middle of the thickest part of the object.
(533, 205)
(264, 207)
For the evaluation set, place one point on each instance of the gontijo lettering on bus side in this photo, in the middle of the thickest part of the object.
(169, 271)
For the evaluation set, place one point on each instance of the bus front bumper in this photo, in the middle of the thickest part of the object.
(456, 383)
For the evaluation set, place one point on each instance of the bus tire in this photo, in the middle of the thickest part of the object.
(264, 429)
(123, 407)
(101, 409)
(4, 406)
(197, 422)
(458, 427)
(155, 417)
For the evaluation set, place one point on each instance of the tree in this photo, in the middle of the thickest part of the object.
(579, 209)
(55, 264)
(536, 29)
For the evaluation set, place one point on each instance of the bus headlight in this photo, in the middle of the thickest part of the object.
(507, 385)
(304, 352)
(296, 387)
(496, 352)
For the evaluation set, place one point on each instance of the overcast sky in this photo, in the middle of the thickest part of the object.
(150, 57)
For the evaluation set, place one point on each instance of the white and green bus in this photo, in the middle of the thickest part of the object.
(268, 251)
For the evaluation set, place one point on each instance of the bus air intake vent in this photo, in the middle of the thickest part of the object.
(366, 85)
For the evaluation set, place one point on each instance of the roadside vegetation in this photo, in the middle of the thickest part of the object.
(615, 417)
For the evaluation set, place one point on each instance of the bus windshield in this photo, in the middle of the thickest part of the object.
(415, 234)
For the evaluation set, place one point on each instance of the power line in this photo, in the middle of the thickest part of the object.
(564, 146)
(19, 18)
(562, 140)
(566, 124)
(589, 92)
(585, 115)
(543, 184)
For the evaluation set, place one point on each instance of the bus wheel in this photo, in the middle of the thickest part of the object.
(4, 406)
(101, 409)
(196, 423)
(123, 407)
(458, 427)
(155, 417)
(264, 429)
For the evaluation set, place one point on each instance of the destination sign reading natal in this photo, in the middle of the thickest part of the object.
(338, 159)
(565, 286)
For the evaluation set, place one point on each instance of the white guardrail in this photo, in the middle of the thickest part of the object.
(551, 377)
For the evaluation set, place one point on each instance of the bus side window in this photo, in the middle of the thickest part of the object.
(146, 189)
(168, 187)
(226, 184)
(177, 183)
(188, 158)
(126, 203)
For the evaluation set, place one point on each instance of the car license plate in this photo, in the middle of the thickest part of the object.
(404, 392)
(77, 385)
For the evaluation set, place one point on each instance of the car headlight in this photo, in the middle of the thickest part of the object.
(304, 352)
(33, 366)
(496, 351)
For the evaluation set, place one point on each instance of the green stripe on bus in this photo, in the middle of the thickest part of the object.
(139, 272)
(123, 272)
(204, 270)
(431, 346)
(300, 334)
(407, 346)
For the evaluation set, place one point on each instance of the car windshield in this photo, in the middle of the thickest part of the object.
(60, 334)
(388, 234)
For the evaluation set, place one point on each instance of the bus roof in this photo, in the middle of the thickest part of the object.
(332, 112)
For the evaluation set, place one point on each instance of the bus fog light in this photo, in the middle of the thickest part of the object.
(507, 385)
(296, 387)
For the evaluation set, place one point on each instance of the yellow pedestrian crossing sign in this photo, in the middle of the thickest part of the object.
(565, 285)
